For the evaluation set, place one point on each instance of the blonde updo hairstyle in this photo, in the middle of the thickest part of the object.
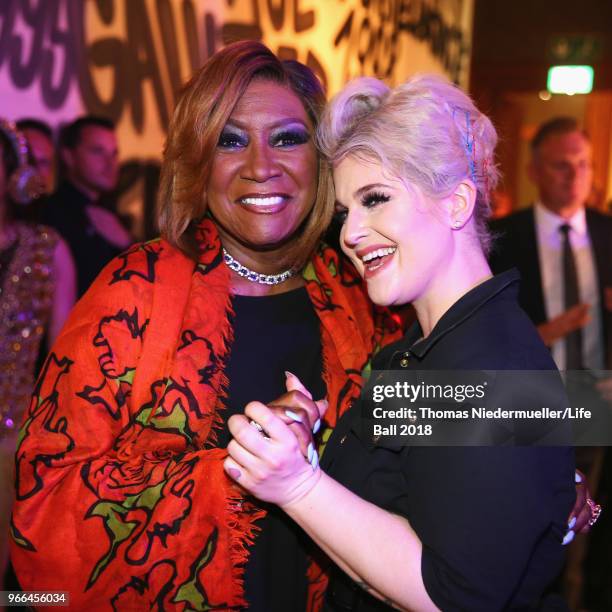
(426, 132)
(205, 105)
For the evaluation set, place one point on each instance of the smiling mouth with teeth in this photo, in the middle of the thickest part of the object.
(263, 200)
(374, 259)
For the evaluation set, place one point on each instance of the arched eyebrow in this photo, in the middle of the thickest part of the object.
(243, 125)
(369, 187)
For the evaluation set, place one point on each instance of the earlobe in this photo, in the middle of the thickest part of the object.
(462, 203)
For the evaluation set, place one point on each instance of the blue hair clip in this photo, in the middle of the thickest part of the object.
(469, 147)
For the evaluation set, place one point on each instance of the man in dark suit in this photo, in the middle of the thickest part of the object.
(94, 233)
(563, 252)
(531, 240)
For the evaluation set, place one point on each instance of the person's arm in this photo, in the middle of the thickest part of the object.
(64, 292)
(481, 513)
(378, 549)
(558, 327)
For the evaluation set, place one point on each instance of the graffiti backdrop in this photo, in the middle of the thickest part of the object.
(127, 59)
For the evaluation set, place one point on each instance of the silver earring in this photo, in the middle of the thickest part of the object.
(457, 224)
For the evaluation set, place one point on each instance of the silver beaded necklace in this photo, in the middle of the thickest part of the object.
(256, 277)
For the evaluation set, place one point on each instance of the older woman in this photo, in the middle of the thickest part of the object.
(121, 495)
(421, 528)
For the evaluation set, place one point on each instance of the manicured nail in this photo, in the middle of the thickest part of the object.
(310, 452)
(569, 536)
(315, 461)
(234, 473)
(293, 416)
(316, 426)
(578, 477)
(572, 522)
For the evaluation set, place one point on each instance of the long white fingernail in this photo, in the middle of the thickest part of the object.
(572, 523)
(569, 536)
(293, 416)
(578, 477)
(316, 426)
(315, 461)
(310, 452)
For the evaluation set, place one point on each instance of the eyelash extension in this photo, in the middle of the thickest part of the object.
(295, 137)
(230, 140)
(373, 198)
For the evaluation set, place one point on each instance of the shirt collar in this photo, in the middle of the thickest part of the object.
(549, 222)
(461, 310)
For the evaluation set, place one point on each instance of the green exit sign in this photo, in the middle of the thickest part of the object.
(570, 79)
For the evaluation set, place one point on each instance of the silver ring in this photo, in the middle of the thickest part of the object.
(259, 428)
(595, 511)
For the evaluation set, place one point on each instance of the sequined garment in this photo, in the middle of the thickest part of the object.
(26, 292)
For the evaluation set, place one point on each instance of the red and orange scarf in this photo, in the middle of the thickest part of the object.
(121, 495)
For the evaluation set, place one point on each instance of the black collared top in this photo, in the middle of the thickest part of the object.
(491, 519)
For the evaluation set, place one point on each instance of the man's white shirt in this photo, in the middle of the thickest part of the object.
(550, 245)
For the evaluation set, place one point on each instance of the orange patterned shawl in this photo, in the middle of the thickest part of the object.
(121, 495)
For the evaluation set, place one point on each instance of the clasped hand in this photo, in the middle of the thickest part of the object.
(272, 453)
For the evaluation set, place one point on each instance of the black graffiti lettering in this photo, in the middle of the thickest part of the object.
(168, 34)
(287, 53)
(54, 96)
(456, 52)
(386, 10)
(302, 21)
(104, 53)
(133, 61)
(374, 37)
(48, 44)
(365, 41)
(386, 53)
(191, 35)
(426, 23)
(8, 12)
(277, 13)
(23, 73)
(233, 30)
(435, 31)
(144, 64)
(210, 37)
(345, 30)
(410, 16)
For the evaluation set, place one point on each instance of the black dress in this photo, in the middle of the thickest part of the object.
(491, 519)
(273, 334)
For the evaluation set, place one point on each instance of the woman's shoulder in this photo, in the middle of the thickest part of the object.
(506, 337)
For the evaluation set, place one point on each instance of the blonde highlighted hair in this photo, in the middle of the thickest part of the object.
(426, 131)
(205, 105)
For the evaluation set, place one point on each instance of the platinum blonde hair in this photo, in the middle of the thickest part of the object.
(427, 132)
